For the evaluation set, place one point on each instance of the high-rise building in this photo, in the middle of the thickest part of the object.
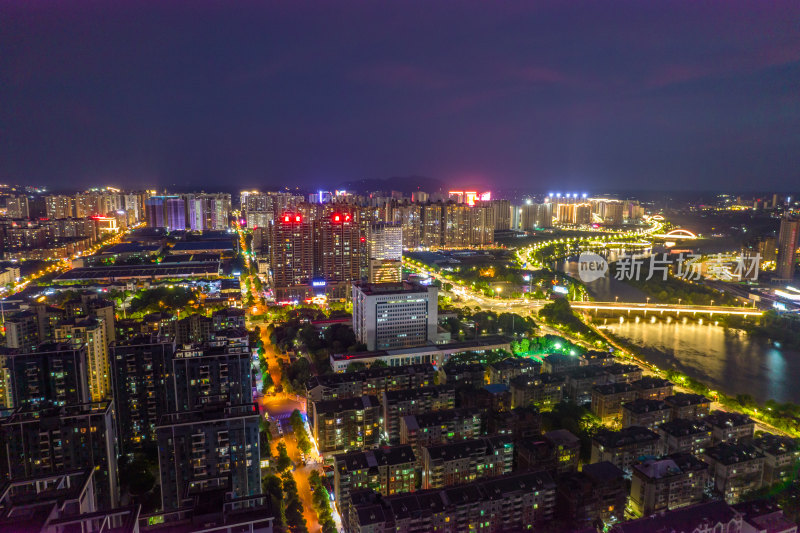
(787, 247)
(22, 331)
(291, 253)
(211, 373)
(216, 447)
(166, 212)
(58, 206)
(338, 239)
(141, 368)
(457, 226)
(60, 439)
(409, 216)
(613, 213)
(394, 315)
(583, 214)
(502, 214)
(52, 374)
(432, 225)
(17, 207)
(768, 249)
(91, 333)
(385, 251)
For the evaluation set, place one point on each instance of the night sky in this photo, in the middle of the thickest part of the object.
(562, 95)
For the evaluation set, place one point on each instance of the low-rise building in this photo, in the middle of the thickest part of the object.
(645, 413)
(581, 380)
(653, 388)
(388, 470)
(730, 427)
(556, 363)
(598, 358)
(781, 457)
(463, 375)
(347, 424)
(465, 461)
(567, 449)
(685, 435)
(502, 372)
(624, 447)
(371, 381)
(399, 403)
(542, 390)
(710, 517)
(437, 427)
(764, 516)
(513, 502)
(623, 373)
(598, 492)
(607, 401)
(519, 424)
(686, 405)
(535, 453)
(735, 468)
(668, 483)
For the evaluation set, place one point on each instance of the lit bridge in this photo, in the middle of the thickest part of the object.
(666, 308)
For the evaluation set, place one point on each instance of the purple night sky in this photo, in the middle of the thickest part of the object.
(658, 95)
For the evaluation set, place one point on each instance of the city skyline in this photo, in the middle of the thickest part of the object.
(693, 96)
(407, 267)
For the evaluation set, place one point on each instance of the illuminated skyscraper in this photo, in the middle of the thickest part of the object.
(291, 253)
(385, 252)
(787, 247)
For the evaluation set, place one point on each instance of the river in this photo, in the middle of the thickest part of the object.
(728, 360)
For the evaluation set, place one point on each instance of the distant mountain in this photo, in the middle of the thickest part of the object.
(404, 184)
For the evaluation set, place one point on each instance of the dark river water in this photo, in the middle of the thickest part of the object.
(728, 360)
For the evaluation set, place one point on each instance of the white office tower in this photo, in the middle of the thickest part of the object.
(394, 315)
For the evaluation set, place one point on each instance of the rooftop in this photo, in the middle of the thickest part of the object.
(625, 437)
(386, 456)
(682, 520)
(406, 395)
(330, 407)
(603, 472)
(437, 418)
(613, 388)
(512, 363)
(652, 382)
(404, 287)
(670, 465)
(728, 419)
(640, 406)
(203, 245)
(467, 448)
(685, 399)
(729, 453)
(776, 444)
(683, 427)
(562, 437)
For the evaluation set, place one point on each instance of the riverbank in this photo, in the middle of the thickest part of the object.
(776, 417)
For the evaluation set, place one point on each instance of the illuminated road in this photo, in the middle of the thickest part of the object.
(669, 308)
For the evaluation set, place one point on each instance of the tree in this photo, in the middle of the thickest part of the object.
(293, 505)
(283, 462)
(299, 428)
(272, 486)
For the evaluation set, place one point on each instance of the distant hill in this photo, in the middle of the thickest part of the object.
(404, 184)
